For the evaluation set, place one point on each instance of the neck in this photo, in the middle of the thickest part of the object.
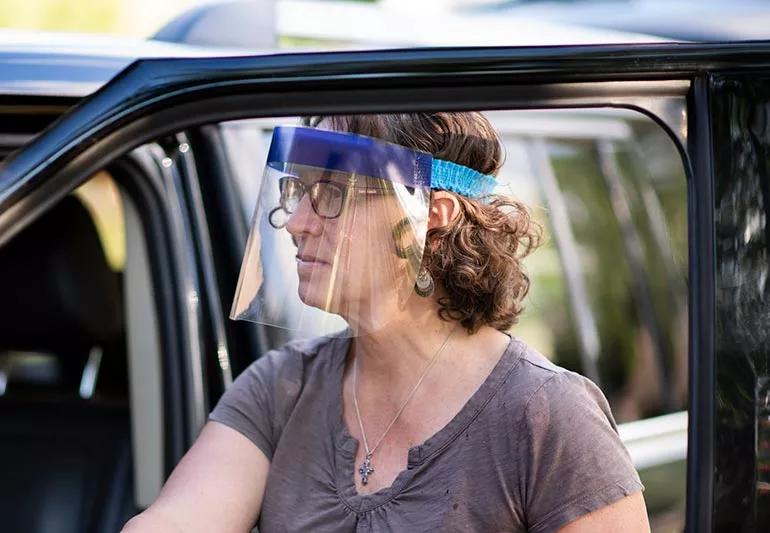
(405, 341)
(400, 350)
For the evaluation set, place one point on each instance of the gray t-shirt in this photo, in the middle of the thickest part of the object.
(534, 448)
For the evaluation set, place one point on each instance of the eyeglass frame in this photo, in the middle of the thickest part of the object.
(305, 189)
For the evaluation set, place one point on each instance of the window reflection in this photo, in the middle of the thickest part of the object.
(609, 289)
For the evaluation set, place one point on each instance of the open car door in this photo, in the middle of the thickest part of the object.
(711, 101)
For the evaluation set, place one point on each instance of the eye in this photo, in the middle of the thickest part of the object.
(292, 191)
(327, 198)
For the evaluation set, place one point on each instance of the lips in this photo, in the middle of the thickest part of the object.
(307, 258)
(308, 254)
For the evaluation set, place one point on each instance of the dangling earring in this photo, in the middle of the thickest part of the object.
(423, 284)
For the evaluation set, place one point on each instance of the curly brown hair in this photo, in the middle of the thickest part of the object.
(477, 259)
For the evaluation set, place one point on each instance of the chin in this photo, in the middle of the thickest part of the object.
(315, 295)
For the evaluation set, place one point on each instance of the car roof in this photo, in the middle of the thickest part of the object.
(75, 65)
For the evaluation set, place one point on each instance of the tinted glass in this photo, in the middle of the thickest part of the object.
(608, 297)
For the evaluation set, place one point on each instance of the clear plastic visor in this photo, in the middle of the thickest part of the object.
(331, 251)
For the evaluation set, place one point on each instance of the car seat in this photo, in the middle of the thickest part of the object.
(65, 456)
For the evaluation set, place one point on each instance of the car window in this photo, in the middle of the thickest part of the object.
(627, 327)
(609, 288)
(608, 297)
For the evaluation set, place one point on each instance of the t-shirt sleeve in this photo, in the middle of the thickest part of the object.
(575, 462)
(260, 399)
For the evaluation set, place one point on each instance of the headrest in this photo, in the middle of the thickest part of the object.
(58, 292)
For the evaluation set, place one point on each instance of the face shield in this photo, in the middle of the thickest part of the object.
(338, 232)
(337, 235)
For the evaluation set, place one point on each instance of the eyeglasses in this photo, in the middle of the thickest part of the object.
(326, 197)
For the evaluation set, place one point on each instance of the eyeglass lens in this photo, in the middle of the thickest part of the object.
(325, 197)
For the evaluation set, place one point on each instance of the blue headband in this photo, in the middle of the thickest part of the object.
(359, 154)
(460, 179)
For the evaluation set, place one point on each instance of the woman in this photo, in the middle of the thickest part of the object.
(423, 414)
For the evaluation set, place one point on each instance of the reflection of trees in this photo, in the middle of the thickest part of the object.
(632, 335)
(741, 142)
(605, 269)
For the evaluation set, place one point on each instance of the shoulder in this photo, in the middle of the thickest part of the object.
(274, 381)
(574, 461)
(535, 378)
(262, 397)
(539, 386)
(307, 348)
(296, 358)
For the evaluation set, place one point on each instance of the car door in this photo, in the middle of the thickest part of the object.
(709, 99)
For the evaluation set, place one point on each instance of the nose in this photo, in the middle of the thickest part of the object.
(304, 219)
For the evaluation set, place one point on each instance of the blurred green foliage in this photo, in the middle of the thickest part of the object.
(64, 15)
(285, 41)
(664, 496)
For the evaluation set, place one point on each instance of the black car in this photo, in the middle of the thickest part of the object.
(124, 214)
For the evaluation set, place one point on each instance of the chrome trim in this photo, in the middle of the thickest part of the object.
(200, 230)
(656, 441)
(91, 372)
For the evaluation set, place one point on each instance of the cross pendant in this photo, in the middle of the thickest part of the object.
(366, 469)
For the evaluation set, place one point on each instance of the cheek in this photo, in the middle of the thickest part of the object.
(372, 255)
(363, 238)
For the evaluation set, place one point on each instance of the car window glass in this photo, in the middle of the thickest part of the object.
(608, 295)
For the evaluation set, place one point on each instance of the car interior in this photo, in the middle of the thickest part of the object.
(82, 439)
(65, 441)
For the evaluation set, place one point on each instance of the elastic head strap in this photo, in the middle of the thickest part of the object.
(460, 179)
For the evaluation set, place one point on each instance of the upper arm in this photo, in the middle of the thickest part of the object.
(217, 486)
(628, 515)
(575, 463)
(219, 483)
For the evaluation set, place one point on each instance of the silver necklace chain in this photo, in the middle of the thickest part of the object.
(366, 467)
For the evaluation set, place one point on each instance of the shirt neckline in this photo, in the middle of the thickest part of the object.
(347, 445)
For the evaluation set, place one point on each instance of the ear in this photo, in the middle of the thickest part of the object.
(444, 208)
